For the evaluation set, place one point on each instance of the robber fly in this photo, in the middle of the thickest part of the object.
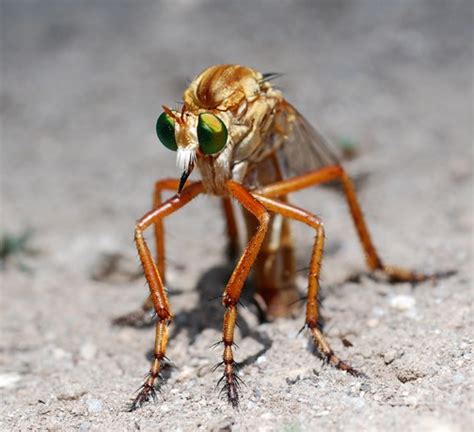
(251, 145)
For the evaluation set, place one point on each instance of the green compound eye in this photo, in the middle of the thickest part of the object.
(212, 133)
(165, 131)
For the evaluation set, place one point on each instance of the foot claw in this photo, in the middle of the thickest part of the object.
(398, 274)
(231, 387)
(350, 370)
(327, 354)
(146, 394)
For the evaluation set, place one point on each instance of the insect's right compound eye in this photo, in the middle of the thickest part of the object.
(165, 131)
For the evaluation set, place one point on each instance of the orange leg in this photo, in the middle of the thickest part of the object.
(234, 286)
(172, 185)
(231, 228)
(142, 317)
(312, 312)
(155, 283)
(274, 269)
(336, 172)
(161, 185)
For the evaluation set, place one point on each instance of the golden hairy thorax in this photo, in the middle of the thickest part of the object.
(222, 87)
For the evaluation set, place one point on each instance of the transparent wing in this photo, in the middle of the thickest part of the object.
(302, 148)
(299, 147)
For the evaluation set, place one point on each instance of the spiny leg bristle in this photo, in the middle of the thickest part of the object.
(146, 393)
(231, 387)
(232, 384)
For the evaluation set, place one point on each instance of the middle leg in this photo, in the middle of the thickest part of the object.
(274, 271)
(232, 231)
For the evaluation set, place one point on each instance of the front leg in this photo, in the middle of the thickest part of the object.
(157, 291)
(234, 286)
(143, 317)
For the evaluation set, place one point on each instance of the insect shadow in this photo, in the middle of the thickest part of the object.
(208, 311)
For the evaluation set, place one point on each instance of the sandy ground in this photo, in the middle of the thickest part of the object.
(82, 84)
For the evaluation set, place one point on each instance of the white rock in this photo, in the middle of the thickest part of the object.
(358, 403)
(88, 351)
(402, 302)
(94, 405)
(372, 322)
(8, 380)
(458, 378)
(84, 427)
(60, 354)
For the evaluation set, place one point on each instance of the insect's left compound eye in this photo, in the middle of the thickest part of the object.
(165, 131)
(212, 133)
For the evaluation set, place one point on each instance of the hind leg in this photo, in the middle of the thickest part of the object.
(337, 172)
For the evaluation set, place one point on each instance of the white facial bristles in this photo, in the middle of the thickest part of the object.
(185, 158)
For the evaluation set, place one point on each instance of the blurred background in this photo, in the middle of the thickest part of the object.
(82, 83)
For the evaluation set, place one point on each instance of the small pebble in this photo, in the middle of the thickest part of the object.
(71, 392)
(402, 302)
(94, 405)
(84, 426)
(60, 354)
(186, 373)
(411, 400)
(204, 370)
(391, 355)
(372, 322)
(88, 351)
(378, 312)
(54, 425)
(8, 380)
(357, 402)
(458, 378)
